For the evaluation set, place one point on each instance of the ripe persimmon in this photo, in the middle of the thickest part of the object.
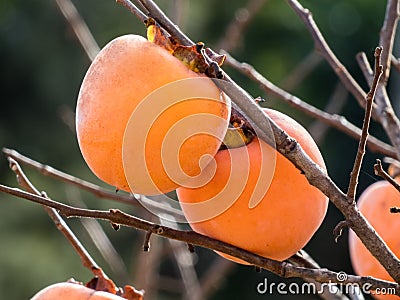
(75, 291)
(286, 215)
(144, 120)
(375, 203)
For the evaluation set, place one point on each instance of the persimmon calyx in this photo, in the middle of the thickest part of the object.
(236, 137)
(195, 57)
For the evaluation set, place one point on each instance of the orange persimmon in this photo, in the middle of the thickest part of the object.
(144, 120)
(286, 215)
(75, 291)
(375, 203)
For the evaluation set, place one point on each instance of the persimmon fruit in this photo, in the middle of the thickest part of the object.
(375, 203)
(145, 122)
(286, 216)
(73, 291)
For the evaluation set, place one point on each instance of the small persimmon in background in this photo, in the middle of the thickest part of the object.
(375, 203)
(76, 291)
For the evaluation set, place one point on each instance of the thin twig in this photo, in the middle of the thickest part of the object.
(323, 48)
(282, 269)
(301, 71)
(24, 182)
(351, 192)
(303, 259)
(157, 14)
(214, 276)
(387, 35)
(184, 260)
(80, 28)
(288, 147)
(336, 121)
(133, 9)
(383, 112)
(99, 238)
(90, 187)
(236, 28)
(379, 171)
(334, 106)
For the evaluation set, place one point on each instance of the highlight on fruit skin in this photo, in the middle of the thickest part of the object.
(75, 291)
(286, 217)
(375, 203)
(127, 74)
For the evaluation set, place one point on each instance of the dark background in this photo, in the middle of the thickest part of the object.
(41, 68)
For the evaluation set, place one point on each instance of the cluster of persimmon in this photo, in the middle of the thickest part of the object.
(149, 122)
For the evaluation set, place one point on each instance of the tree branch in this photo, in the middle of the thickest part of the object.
(382, 111)
(387, 35)
(80, 28)
(24, 182)
(323, 48)
(282, 269)
(234, 32)
(90, 187)
(351, 192)
(336, 121)
(378, 170)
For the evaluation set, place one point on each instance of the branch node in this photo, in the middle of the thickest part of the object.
(191, 248)
(257, 269)
(115, 226)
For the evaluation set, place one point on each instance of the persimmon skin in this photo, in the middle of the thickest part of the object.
(126, 70)
(289, 213)
(72, 291)
(374, 203)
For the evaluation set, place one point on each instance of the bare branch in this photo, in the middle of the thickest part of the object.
(383, 110)
(90, 187)
(351, 192)
(336, 121)
(334, 106)
(387, 35)
(99, 238)
(24, 182)
(323, 48)
(282, 269)
(395, 63)
(157, 14)
(234, 32)
(133, 9)
(301, 71)
(380, 172)
(218, 270)
(303, 259)
(80, 28)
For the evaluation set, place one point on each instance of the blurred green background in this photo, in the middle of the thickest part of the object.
(42, 65)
